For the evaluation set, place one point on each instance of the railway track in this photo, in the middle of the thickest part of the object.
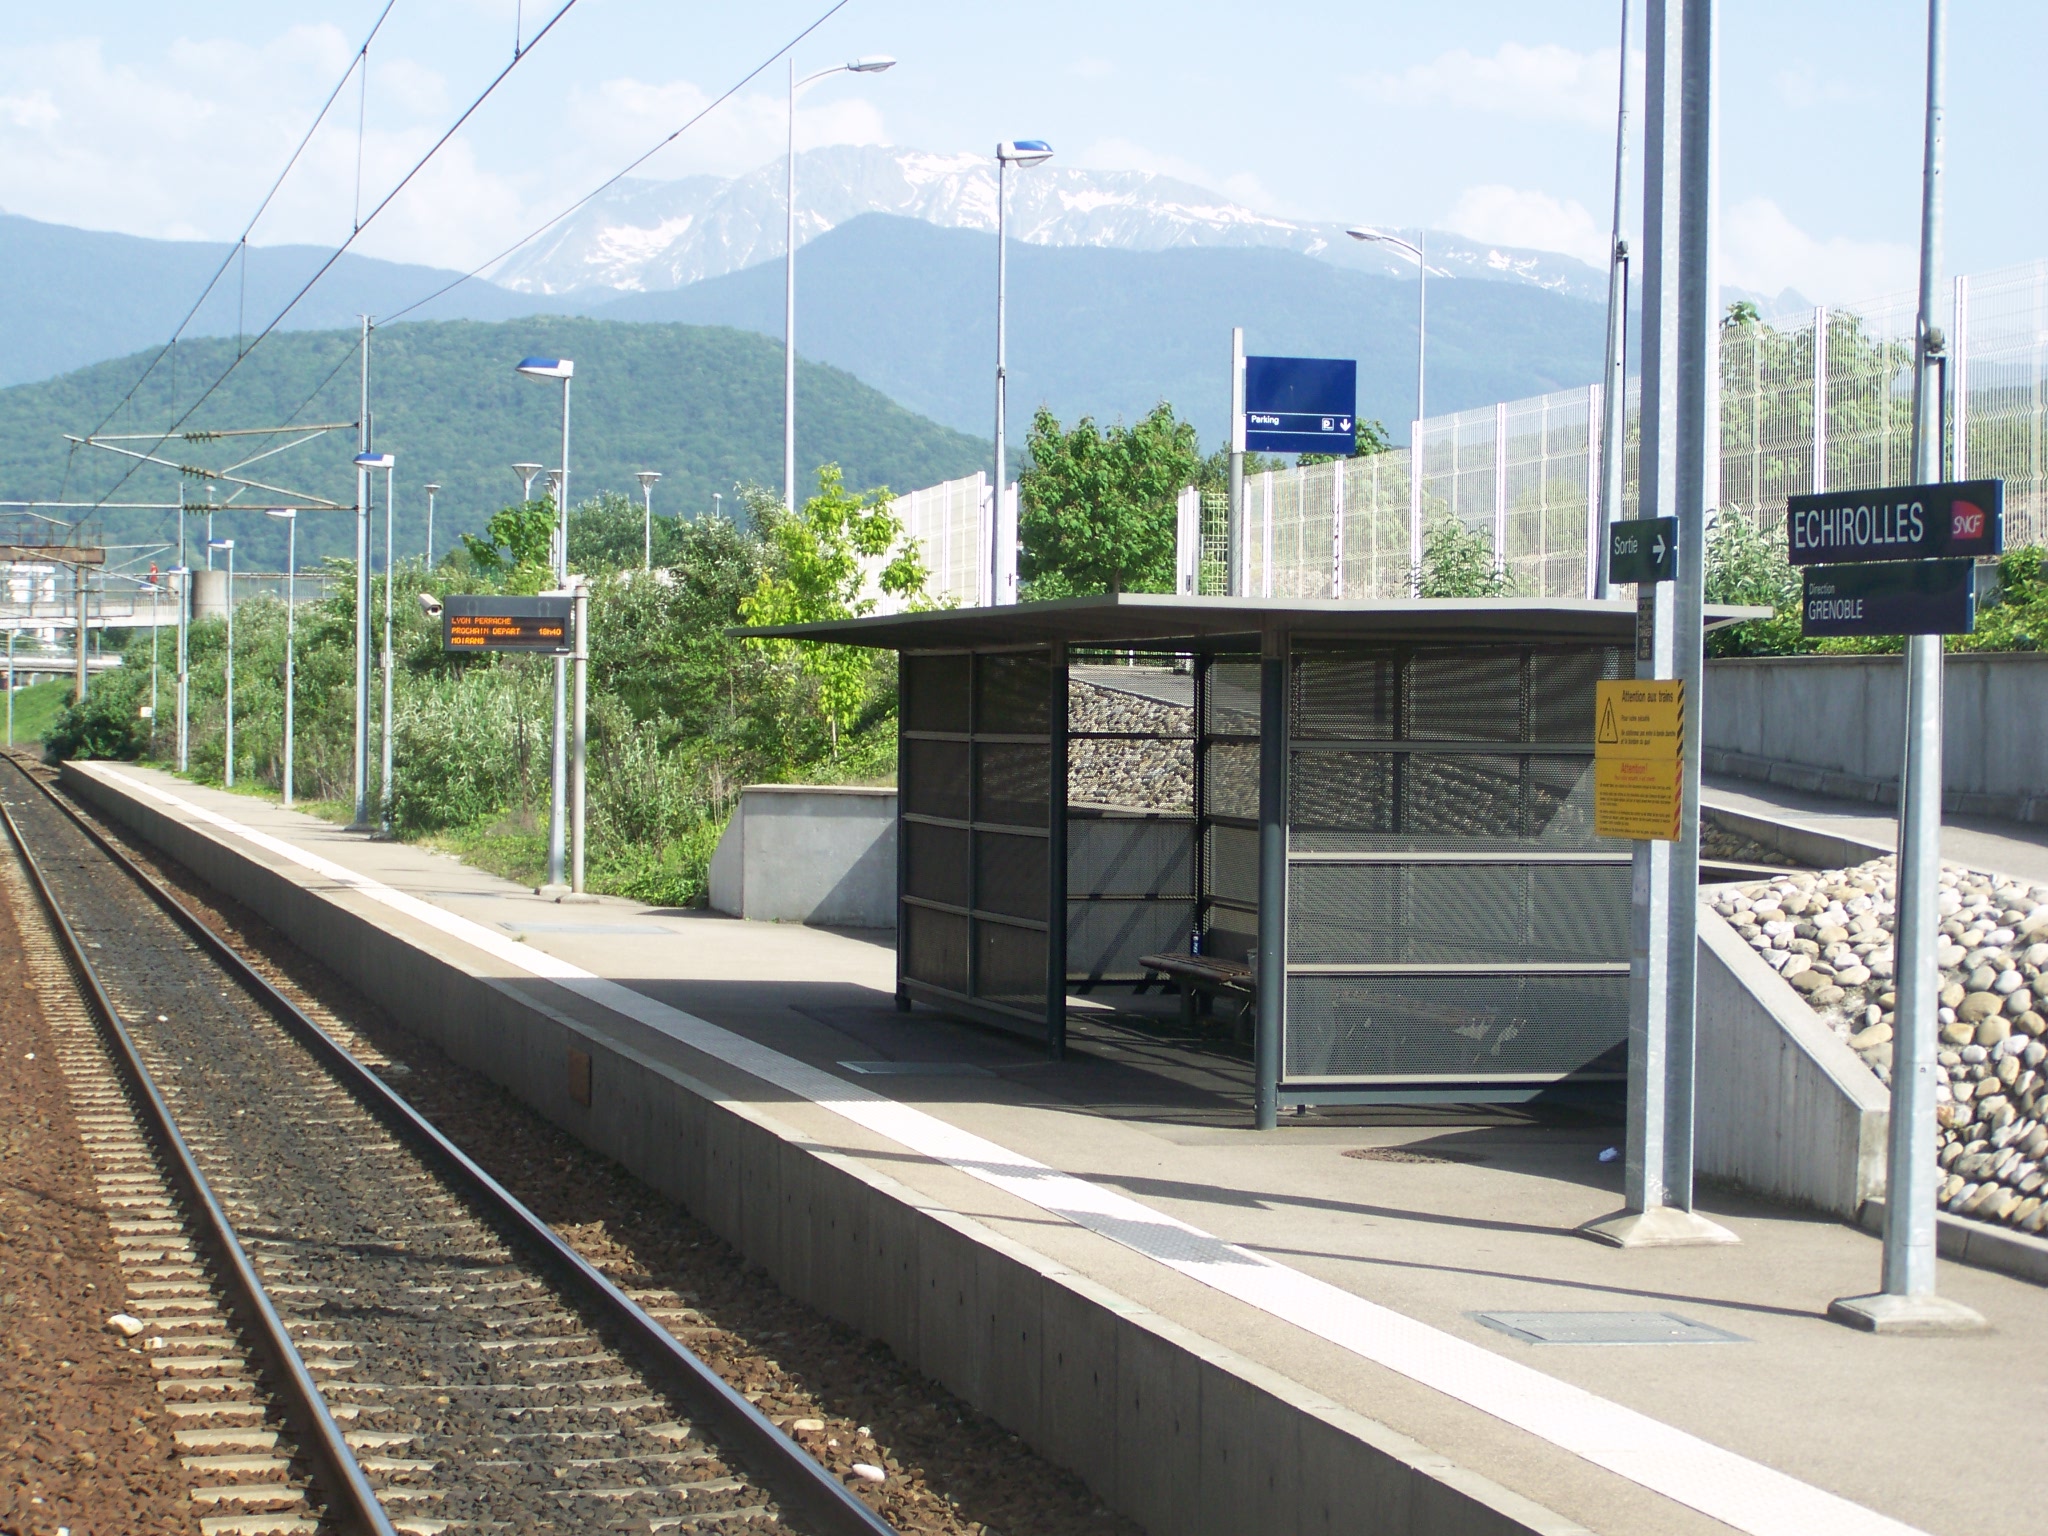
(434, 1358)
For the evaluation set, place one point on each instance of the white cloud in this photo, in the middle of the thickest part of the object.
(1764, 251)
(623, 117)
(1534, 220)
(1116, 154)
(1546, 82)
(1091, 69)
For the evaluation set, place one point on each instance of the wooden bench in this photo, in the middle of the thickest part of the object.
(1197, 975)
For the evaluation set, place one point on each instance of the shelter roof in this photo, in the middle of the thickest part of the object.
(1147, 618)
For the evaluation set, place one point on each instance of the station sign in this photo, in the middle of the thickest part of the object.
(1644, 550)
(1905, 522)
(1639, 759)
(1920, 597)
(1301, 405)
(471, 622)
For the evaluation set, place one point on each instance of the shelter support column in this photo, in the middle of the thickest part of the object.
(1056, 859)
(1271, 977)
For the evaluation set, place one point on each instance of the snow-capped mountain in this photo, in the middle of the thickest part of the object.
(650, 236)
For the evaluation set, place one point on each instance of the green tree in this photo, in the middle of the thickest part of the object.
(1098, 505)
(1369, 439)
(518, 539)
(820, 562)
(1458, 562)
(1747, 566)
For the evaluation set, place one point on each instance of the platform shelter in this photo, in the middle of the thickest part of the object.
(1378, 814)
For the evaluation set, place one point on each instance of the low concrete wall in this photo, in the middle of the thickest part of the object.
(1175, 1431)
(1833, 725)
(1784, 1108)
(799, 853)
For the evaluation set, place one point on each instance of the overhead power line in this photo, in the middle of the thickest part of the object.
(340, 250)
(623, 172)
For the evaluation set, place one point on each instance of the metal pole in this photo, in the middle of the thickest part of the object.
(1233, 534)
(184, 574)
(360, 763)
(291, 620)
(228, 754)
(1002, 375)
(1270, 976)
(1421, 316)
(1680, 478)
(789, 308)
(1908, 1302)
(1613, 445)
(582, 715)
(1056, 861)
(78, 576)
(152, 656)
(558, 787)
(430, 525)
(384, 792)
(646, 528)
(10, 690)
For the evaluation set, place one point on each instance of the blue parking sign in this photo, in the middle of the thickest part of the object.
(1300, 404)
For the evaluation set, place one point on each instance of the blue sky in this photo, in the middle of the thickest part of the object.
(1492, 118)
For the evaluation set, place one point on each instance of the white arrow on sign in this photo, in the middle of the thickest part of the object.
(1657, 549)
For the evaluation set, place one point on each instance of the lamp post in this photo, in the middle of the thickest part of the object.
(1018, 152)
(153, 589)
(184, 575)
(564, 369)
(872, 65)
(228, 741)
(1614, 381)
(365, 462)
(1421, 302)
(647, 477)
(431, 489)
(384, 789)
(10, 689)
(290, 518)
(526, 473)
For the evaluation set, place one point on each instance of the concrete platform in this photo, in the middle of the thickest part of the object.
(1221, 1331)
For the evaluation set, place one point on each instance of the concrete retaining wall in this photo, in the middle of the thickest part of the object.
(1178, 1433)
(1784, 1108)
(799, 853)
(1833, 725)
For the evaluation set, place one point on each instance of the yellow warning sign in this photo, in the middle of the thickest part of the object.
(1638, 751)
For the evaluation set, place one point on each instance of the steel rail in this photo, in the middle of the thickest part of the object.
(805, 1488)
(350, 1489)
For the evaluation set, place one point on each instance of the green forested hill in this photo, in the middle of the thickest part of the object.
(702, 404)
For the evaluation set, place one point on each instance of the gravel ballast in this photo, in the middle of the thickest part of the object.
(1829, 934)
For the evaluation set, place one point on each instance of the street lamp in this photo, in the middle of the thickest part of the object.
(289, 516)
(564, 369)
(526, 472)
(874, 64)
(1017, 152)
(228, 757)
(647, 477)
(1421, 305)
(431, 489)
(384, 794)
(365, 462)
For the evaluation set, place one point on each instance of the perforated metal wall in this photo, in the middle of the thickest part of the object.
(1448, 1028)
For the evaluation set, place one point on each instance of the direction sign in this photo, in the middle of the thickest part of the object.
(1643, 551)
(1904, 522)
(475, 623)
(1300, 404)
(1923, 597)
(1638, 758)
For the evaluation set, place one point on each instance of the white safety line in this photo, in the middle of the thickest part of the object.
(1729, 1487)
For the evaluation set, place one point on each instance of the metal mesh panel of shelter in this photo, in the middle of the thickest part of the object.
(1009, 874)
(1455, 1027)
(1462, 913)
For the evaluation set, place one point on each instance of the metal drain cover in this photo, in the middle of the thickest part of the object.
(1606, 1328)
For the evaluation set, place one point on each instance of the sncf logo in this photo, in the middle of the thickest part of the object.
(1966, 521)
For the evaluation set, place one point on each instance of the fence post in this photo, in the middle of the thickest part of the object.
(1500, 488)
(1820, 399)
(1337, 527)
(1266, 533)
(1415, 509)
(1959, 365)
(1595, 467)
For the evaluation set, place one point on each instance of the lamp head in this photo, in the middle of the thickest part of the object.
(1024, 151)
(432, 487)
(871, 64)
(282, 514)
(220, 543)
(376, 460)
(647, 477)
(547, 367)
